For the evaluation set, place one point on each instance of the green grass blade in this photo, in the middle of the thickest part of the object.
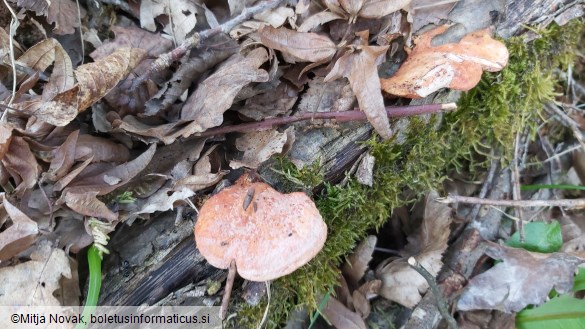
(557, 186)
(95, 283)
(565, 312)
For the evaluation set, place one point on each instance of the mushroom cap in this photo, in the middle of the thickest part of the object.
(267, 233)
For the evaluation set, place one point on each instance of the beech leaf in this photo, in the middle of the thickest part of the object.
(87, 204)
(380, 8)
(306, 47)
(259, 146)
(20, 235)
(360, 68)
(456, 65)
(522, 278)
(34, 282)
(205, 107)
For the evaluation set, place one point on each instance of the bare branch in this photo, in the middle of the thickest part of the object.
(566, 203)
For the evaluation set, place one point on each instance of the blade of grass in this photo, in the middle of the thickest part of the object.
(557, 186)
(94, 261)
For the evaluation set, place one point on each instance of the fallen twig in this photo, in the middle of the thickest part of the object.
(441, 303)
(346, 116)
(165, 60)
(567, 203)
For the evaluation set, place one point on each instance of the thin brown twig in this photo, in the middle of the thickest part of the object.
(194, 41)
(441, 303)
(346, 116)
(516, 186)
(566, 203)
(229, 285)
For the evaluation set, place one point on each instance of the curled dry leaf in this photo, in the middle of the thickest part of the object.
(94, 81)
(259, 146)
(87, 204)
(64, 158)
(5, 138)
(342, 317)
(357, 263)
(267, 234)
(19, 236)
(205, 107)
(182, 16)
(456, 65)
(317, 20)
(21, 164)
(359, 66)
(522, 278)
(33, 283)
(305, 47)
(133, 37)
(401, 283)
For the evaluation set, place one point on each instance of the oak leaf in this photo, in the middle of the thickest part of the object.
(359, 66)
(305, 47)
(456, 65)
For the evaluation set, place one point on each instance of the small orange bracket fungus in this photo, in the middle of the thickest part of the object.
(266, 233)
(455, 65)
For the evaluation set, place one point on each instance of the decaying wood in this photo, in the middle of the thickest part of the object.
(149, 262)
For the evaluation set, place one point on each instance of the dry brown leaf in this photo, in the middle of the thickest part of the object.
(317, 20)
(401, 283)
(306, 47)
(65, 16)
(522, 278)
(270, 104)
(21, 164)
(259, 146)
(458, 66)
(205, 107)
(63, 182)
(33, 283)
(359, 66)
(182, 16)
(357, 263)
(94, 81)
(361, 304)
(86, 203)
(98, 78)
(100, 149)
(426, 12)
(5, 138)
(379, 8)
(40, 56)
(164, 199)
(62, 76)
(64, 158)
(97, 181)
(20, 235)
(133, 37)
(276, 17)
(342, 317)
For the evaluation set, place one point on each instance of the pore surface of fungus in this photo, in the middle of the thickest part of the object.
(267, 233)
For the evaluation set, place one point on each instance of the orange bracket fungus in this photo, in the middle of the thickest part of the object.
(266, 233)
